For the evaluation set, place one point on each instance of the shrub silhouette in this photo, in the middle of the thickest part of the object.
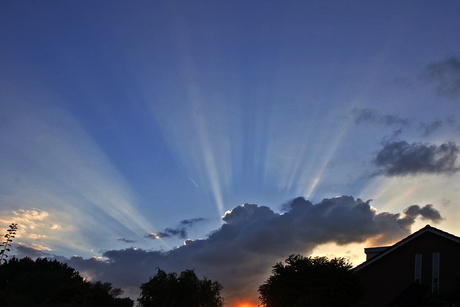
(11, 233)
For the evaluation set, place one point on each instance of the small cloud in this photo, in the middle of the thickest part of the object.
(427, 213)
(126, 240)
(361, 116)
(446, 76)
(445, 202)
(191, 221)
(181, 233)
(401, 159)
(178, 232)
(153, 236)
(428, 128)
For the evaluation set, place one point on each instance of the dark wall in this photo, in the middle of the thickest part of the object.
(390, 275)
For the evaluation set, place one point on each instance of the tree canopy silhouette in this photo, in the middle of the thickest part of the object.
(172, 290)
(29, 283)
(311, 281)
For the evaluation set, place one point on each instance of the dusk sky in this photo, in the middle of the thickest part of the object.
(223, 136)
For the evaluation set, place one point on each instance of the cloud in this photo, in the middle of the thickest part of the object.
(126, 240)
(446, 76)
(191, 221)
(428, 128)
(400, 158)
(178, 232)
(253, 238)
(364, 116)
(361, 116)
(427, 212)
(32, 223)
(33, 251)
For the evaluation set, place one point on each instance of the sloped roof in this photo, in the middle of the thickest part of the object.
(407, 239)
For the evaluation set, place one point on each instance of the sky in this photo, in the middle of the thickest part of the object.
(223, 136)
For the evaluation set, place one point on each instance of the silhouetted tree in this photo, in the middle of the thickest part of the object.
(186, 289)
(25, 282)
(311, 281)
(11, 233)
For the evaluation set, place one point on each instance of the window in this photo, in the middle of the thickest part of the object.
(418, 268)
(435, 277)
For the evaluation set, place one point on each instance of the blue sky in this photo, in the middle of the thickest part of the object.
(132, 127)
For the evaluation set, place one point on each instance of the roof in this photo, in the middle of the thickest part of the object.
(407, 239)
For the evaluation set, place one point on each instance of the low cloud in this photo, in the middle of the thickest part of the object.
(253, 238)
(446, 76)
(401, 159)
(33, 251)
(179, 232)
(427, 213)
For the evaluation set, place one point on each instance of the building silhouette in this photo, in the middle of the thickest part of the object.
(427, 261)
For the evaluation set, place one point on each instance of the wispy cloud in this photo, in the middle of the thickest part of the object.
(446, 75)
(400, 158)
(430, 127)
(126, 240)
(361, 116)
(368, 116)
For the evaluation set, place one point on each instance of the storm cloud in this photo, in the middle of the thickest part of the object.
(446, 76)
(400, 158)
(253, 238)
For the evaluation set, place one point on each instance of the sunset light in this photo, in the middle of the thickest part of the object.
(221, 136)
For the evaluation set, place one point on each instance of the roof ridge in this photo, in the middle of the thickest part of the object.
(405, 240)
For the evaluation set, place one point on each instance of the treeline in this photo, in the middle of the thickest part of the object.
(302, 281)
(298, 282)
(50, 283)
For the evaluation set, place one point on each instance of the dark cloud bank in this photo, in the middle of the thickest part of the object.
(253, 238)
(399, 158)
